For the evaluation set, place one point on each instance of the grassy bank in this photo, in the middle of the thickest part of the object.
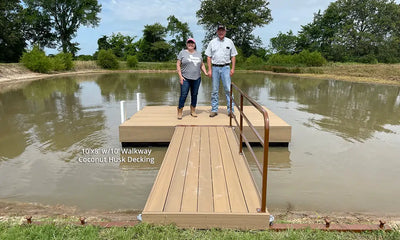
(373, 73)
(91, 65)
(145, 231)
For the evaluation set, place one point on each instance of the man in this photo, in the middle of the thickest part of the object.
(220, 53)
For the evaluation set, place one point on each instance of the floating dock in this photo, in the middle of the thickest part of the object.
(203, 181)
(156, 124)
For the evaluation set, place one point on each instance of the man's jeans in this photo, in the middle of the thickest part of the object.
(193, 86)
(222, 73)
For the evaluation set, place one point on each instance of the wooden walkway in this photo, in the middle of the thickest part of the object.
(204, 182)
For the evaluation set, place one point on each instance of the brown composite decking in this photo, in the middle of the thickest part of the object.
(156, 124)
(204, 182)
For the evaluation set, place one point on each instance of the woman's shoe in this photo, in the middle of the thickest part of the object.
(180, 110)
(193, 111)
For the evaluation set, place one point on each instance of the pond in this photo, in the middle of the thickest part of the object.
(344, 154)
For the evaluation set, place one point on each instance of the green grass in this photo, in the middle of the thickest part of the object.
(146, 231)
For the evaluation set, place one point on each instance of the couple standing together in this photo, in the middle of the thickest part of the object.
(220, 53)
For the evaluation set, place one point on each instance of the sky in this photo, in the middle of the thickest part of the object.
(130, 16)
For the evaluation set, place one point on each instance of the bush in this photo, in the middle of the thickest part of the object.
(281, 60)
(305, 58)
(132, 61)
(370, 58)
(36, 60)
(57, 63)
(106, 59)
(67, 59)
(310, 59)
(254, 60)
(62, 61)
(84, 57)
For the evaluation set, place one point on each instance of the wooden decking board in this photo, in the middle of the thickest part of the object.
(249, 221)
(205, 200)
(158, 194)
(235, 193)
(220, 201)
(252, 197)
(155, 124)
(190, 191)
(203, 182)
(174, 197)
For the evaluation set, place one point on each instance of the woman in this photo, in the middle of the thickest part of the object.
(189, 66)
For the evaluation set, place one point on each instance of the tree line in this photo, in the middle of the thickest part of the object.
(348, 30)
(44, 23)
(153, 46)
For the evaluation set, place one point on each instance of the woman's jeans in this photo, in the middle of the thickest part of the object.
(193, 86)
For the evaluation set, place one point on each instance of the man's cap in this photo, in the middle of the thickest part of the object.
(190, 40)
(220, 26)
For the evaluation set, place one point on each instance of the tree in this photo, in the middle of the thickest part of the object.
(66, 18)
(12, 41)
(103, 43)
(38, 28)
(240, 17)
(152, 46)
(284, 43)
(355, 29)
(121, 45)
(179, 32)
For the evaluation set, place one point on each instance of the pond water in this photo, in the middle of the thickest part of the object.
(344, 154)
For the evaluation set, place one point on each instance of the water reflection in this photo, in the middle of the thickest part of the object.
(353, 111)
(345, 136)
(278, 158)
(48, 114)
(155, 88)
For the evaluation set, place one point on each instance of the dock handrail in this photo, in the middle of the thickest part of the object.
(264, 142)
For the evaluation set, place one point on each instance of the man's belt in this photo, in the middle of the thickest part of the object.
(221, 65)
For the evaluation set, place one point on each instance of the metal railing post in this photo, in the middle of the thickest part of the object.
(241, 125)
(265, 167)
(230, 105)
(123, 112)
(138, 102)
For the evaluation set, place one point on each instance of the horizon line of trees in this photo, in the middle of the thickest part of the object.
(348, 30)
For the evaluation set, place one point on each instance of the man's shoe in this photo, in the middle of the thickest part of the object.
(213, 114)
(231, 114)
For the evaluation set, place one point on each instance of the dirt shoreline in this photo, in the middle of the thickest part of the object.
(16, 212)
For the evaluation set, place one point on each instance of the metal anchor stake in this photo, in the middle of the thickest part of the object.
(327, 222)
(382, 224)
(28, 219)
